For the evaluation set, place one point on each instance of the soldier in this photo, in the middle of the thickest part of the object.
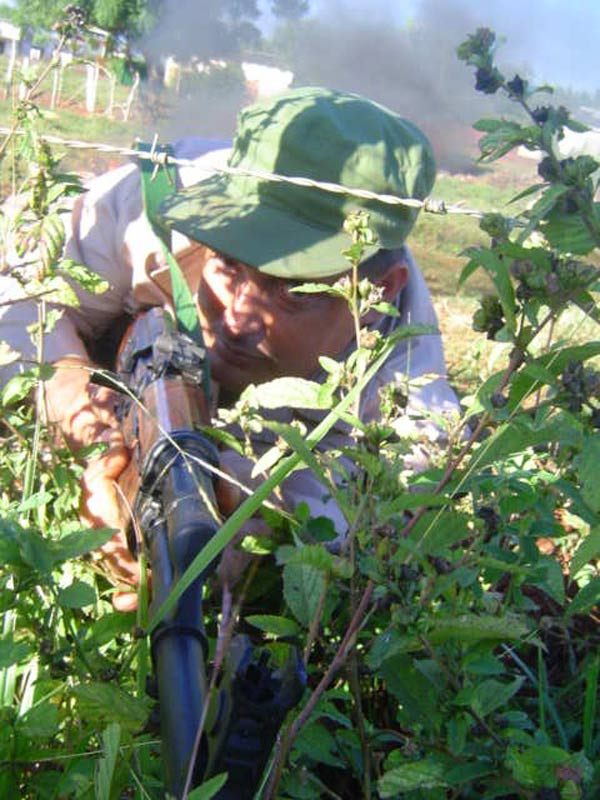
(244, 242)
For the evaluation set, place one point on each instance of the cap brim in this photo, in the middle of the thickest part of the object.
(248, 229)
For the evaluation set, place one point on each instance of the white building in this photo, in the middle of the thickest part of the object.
(9, 36)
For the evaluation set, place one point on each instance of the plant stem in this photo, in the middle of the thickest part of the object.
(354, 681)
(33, 88)
(338, 661)
(315, 622)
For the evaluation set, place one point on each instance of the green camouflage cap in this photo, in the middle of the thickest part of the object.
(295, 231)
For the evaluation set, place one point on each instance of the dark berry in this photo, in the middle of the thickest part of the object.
(516, 87)
(441, 565)
(488, 80)
(541, 114)
(498, 400)
(547, 169)
(490, 518)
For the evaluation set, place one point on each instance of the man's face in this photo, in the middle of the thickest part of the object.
(256, 329)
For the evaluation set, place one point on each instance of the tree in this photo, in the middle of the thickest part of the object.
(126, 18)
(290, 10)
(7, 12)
(129, 18)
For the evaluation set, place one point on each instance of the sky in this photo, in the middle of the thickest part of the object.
(556, 39)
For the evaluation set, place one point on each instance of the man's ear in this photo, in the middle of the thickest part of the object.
(394, 280)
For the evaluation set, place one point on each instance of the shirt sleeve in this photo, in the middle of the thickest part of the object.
(95, 229)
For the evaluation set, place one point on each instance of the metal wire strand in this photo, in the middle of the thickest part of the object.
(429, 205)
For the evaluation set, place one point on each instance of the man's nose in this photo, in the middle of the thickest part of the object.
(243, 315)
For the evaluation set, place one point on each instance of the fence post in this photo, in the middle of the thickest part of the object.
(91, 87)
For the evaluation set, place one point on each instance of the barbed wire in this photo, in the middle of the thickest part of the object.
(429, 205)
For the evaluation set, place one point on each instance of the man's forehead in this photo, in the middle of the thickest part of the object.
(263, 274)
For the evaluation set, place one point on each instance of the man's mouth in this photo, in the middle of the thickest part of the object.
(236, 354)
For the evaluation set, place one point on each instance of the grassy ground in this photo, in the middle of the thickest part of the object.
(438, 242)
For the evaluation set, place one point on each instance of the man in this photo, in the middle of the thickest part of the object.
(244, 242)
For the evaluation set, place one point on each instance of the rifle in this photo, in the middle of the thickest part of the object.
(170, 487)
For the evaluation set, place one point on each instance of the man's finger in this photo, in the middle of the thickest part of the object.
(125, 601)
(109, 465)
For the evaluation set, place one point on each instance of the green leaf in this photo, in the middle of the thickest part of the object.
(587, 463)
(12, 652)
(545, 369)
(257, 545)
(483, 663)
(318, 743)
(490, 125)
(273, 625)
(417, 694)
(315, 288)
(36, 551)
(576, 125)
(388, 644)
(285, 393)
(209, 788)
(386, 308)
(40, 722)
(437, 531)
(79, 543)
(85, 277)
(500, 139)
(56, 290)
(477, 627)
(429, 773)
(410, 500)
(102, 703)
(107, 628)
(105, 767)
(569, 233)
(312, 555)
(537, 187)
(298, 444)
(303, 587)
(10, 551)
(36, 500)
(488, 695)
(586, 598)
(519, 435)
(542, 208)
(18, 387)
(548, 575)
(51, 238)
(589, 548)
(469, 773)
(497, 269)
(77, 595)
(536, 767)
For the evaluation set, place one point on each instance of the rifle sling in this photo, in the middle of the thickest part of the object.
(158, 181)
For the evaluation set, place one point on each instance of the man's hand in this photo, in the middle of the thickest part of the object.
(82, 411)
(85, 415)
(102, 507)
